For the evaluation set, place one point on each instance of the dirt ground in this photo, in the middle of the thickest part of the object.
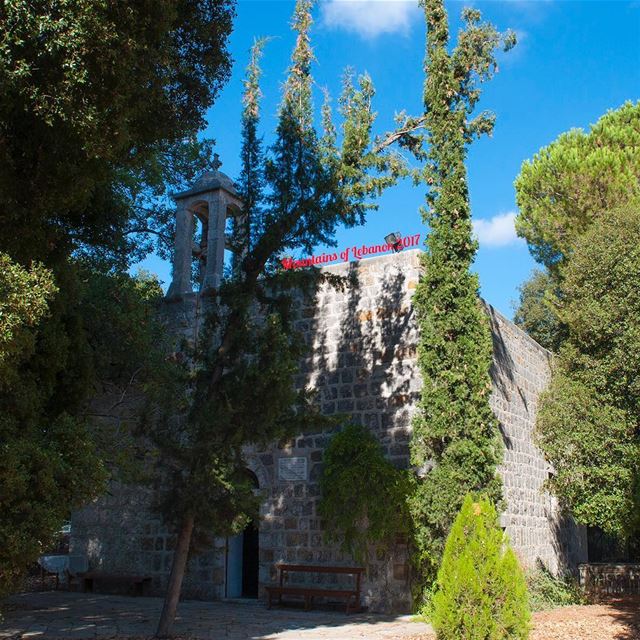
(614, 620)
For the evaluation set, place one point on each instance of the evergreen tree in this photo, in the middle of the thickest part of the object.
(455, 433)
(299, 191)
(481, 590)
(250, 184)
(588, 423)
(561, 192)
(536, 313)
(578, 200)
(576, 180)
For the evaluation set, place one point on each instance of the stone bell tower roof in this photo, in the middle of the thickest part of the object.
(209, 181)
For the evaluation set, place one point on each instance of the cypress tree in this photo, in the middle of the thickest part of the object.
(481, 589)
(455, 434)
(251, 181)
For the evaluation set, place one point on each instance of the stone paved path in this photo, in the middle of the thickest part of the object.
(60, 614)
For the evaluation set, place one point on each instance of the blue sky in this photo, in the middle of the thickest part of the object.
(574, 61)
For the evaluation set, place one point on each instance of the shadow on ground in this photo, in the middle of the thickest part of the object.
(60, 614)
(627, 613)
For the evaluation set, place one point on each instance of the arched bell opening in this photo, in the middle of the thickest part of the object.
(199, 245)
(237, 238)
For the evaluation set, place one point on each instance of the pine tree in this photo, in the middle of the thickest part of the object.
(454, 431)
(298, 192)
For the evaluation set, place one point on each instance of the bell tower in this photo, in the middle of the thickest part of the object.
(212, 199)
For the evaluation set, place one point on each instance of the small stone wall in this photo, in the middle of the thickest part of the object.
(603, 579)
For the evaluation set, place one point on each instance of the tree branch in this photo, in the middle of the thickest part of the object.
(163, 236)
(394, 136)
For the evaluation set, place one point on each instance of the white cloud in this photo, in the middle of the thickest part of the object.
(370, 18)
(498, 231)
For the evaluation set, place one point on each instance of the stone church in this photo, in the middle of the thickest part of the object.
(362, 363)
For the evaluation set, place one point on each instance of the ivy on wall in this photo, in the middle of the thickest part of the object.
(363, 499)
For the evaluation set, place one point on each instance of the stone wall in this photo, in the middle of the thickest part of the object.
(362, 363)
(538, 529)
(602, 579)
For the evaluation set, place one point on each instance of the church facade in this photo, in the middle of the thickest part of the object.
(362, 363)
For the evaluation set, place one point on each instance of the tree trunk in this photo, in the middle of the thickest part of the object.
(178, 567)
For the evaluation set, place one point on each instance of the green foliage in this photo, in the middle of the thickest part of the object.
(588, 421)
(455, 435)
(363, 496)
(53, 457)
(127, 350)
(578, 203)
(536, 312)
(547, 591)
(570, 184)
(45, 472)
(298, 191)
(480, 591)
(577, 180)
(24, 295)
(93, 93)
(101, 103)
(119, 316)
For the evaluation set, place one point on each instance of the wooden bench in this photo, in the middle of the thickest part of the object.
(308, 593)
(140, 584)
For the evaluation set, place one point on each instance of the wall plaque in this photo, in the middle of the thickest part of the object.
(292, 469)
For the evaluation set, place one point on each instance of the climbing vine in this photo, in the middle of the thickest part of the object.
(363, 499)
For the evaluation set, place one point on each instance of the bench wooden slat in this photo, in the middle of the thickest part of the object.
(124, 577)
(311, 568)
(139, 582)
(308, 592)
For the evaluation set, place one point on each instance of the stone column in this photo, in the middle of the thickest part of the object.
(181, 282)
(215, 240)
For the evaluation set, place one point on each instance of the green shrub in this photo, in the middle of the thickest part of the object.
(547, 591)
(481, 593)
(363, 495)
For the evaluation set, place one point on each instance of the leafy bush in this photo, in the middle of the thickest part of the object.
(481, 591)
(363, 495)
(547, 591)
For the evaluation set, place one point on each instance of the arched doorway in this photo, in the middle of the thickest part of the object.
(243, 559)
